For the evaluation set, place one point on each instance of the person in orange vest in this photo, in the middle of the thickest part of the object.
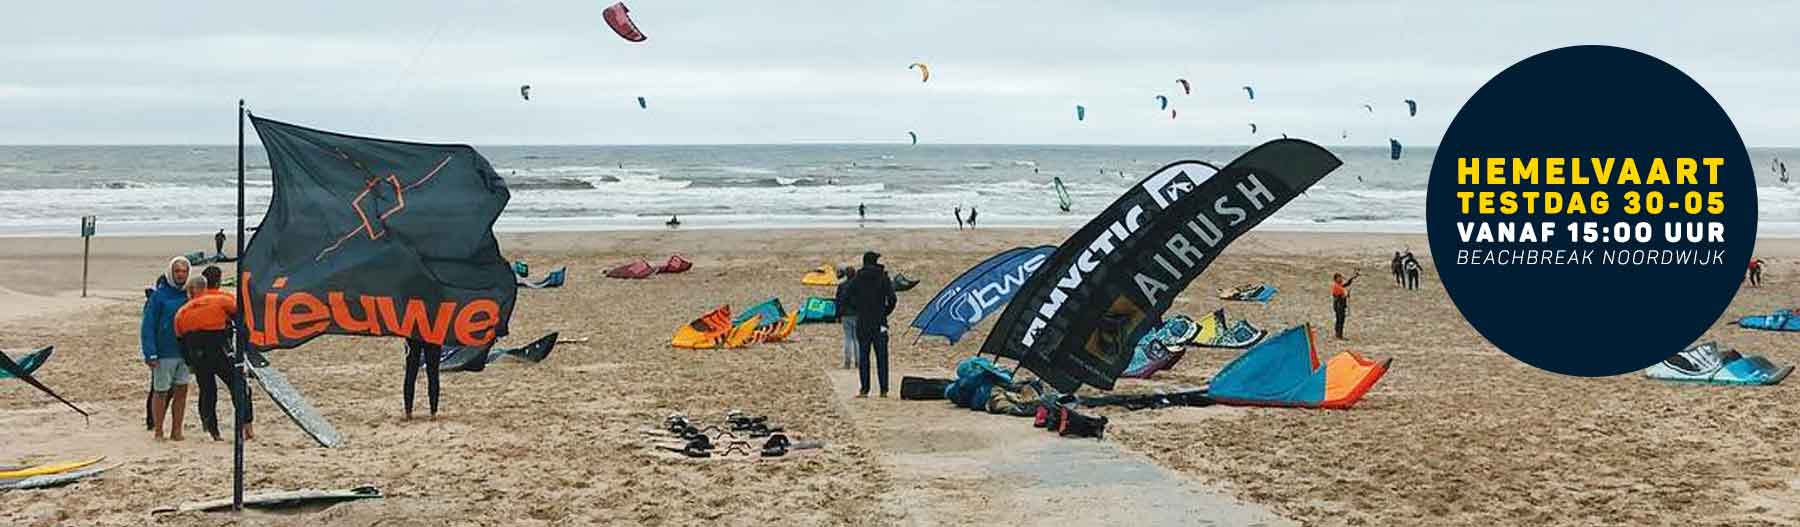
(1340, 299)
(204, 327)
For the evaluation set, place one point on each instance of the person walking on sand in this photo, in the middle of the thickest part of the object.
(162, 354)
(862, 212)
(204, 327)
(422, 353)
(1756, 268)
(846, 311)
(971, 218)
(219, 243)
(958, 213)
(1399, 279)
(1340, 300)
(1411, 267)
(872, 292)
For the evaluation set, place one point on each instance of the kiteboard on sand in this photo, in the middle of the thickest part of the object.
(49, 468)
(52, 480)
(276, 386)
(278, 500)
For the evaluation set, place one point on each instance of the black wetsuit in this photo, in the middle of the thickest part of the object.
(208, 354)
(959, 221)
(1411, 267)
(421, 353)
(1399, 279)
(871, 293)
(971, 217)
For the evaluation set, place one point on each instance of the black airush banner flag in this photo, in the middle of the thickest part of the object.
(1075, 321)
(376, 237)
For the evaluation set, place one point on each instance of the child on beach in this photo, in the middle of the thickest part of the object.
(162, 354)
(846, 312)
(1340, 299)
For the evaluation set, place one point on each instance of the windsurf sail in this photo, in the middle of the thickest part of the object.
(1062, 195)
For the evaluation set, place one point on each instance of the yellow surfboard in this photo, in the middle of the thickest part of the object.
(49, 468)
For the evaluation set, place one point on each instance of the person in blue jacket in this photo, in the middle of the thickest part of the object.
(162, 354)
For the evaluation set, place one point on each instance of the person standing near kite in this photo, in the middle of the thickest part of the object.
(958, 213)
(1756, 268)
(872, 294)
(203, 326)
(971, 218)
(162, 354)
(846, 311)
(422, 353)
(1340, 299)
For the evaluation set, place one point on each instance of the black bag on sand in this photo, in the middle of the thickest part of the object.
(1077, 425)
(922, 389)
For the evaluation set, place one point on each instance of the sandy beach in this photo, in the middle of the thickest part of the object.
(1457, 434)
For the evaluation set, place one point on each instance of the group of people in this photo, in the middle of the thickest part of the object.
(187, 334)
(864, 301)
(1406, 270)
(959, 218)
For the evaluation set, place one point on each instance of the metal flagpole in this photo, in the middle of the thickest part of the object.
(243, 341)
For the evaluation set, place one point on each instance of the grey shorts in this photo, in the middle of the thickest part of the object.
(168, 374)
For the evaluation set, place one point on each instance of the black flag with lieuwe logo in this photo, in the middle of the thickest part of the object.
(1078, 318)
(375, 237)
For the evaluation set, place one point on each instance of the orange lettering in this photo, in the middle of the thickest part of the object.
(341, 315)
(302, 316)
(416, 323)
(473, 332)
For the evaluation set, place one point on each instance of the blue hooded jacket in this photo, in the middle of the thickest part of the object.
(157, 331)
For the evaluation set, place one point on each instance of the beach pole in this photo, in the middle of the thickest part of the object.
(237, 419)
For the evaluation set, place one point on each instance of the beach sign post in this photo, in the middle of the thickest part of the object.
(87, 232)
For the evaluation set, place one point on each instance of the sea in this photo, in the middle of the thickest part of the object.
(132, 190)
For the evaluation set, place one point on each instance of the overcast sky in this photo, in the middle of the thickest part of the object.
(777, 71)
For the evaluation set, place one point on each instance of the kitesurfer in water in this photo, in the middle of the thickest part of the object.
(1340, 299)
(421, 353)
(1756, 267)
(871, 292)
(959, 220)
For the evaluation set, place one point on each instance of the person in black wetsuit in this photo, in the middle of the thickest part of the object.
(1410, 266)
(971, 218)
(1340, 300)
(1399, 279)
(862, 212)
(421, 353)
(959, 220)
(219, 243)
(871, 292)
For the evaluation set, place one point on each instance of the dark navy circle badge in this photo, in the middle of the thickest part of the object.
(1591, 210)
